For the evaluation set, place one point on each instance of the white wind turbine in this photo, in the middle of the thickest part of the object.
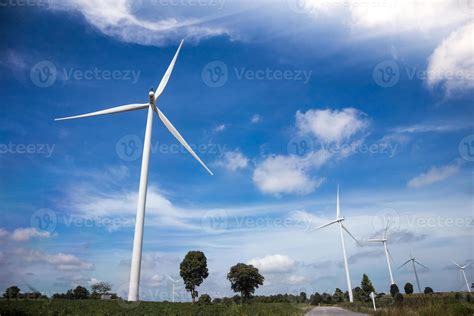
(140, 217)
(173, 281)
(339, 219)
(384, 242)
(463, 273)
(414, 263)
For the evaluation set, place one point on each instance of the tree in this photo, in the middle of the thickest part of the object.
(338, 296)
(408, 288)
(302, 298)
(428, 290)
(244, 279)
(12, 292)
(358, 294)
(204, 299)
(193, 270)
(394, 290)
(80, 293)
(316, 299)
(367, 287)
(101, 288)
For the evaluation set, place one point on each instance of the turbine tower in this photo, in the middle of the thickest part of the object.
(463, 273)
(387, 252)
(414, 263)
(173, 282)
(133, 294)
(339, 219)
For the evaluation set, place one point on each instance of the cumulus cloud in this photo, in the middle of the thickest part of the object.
(60, 261)
(452, 64)
(256, 118)
(25, 234)
(296, 279)
(435, 174)
(233, 161)
(219, 128)
(274, 263)
(331, 126)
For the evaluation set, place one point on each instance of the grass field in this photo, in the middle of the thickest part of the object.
(97, 307)
(439, 304)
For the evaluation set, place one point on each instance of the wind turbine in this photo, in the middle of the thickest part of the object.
(339, 219)
(461, 271)
(414, 263)
(140, 218)
(384, 242)
(173, 281)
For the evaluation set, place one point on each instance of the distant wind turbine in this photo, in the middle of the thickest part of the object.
(387, 252)
(414, 263)
(133, 294)
(173, 282)
(463, 273)
(339, 219)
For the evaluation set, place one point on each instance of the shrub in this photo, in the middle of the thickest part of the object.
(204, 299)
(394, 290)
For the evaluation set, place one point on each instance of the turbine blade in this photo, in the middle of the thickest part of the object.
(324, 225)
(374, 240)
(180, 138)
(355, 239)
(467, 266)
(404, 264)
(421, 265)
(338, 208)
(386, 229)
(167, 75)
(117, 109)
(390, 255)
(456, 264)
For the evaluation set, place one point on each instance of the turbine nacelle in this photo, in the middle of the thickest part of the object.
(151, 97)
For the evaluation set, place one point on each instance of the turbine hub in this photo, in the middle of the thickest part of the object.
(151, 95)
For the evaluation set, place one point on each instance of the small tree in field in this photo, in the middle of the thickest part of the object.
(193, 270)
(338, 296)
(394, 290)
(367, 287)
(101, 288)
(80, 293)
(12, 292)
(244, 279)
(428, 290)
(408, 288)
(204, 299)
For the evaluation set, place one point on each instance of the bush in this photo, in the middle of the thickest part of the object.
(428, 290)
(204, 299)
(394, 290)
(398, 298)
(408, 288)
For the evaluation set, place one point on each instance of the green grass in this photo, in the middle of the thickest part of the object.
(440, 304)
(97, 307)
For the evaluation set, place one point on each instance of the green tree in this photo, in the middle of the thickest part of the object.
(316, 299)
(244, 279)
(408, 288)
(367, 287)
(12, 292)
(80, 293)
(394, 290)
(101, 288)
(428, 290)
(302, 298)
(204, 299)
(193, 270)
(338, 296)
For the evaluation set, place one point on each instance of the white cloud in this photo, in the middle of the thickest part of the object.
(435, 174)
(219, 128)
(256, 118)
(287, 174)
(331, 126)
(297, 279)
(233, 161)
(273, 263)
(60, 261)
(452, 63)
(426, 128)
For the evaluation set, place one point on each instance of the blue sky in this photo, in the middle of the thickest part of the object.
(282, 100)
